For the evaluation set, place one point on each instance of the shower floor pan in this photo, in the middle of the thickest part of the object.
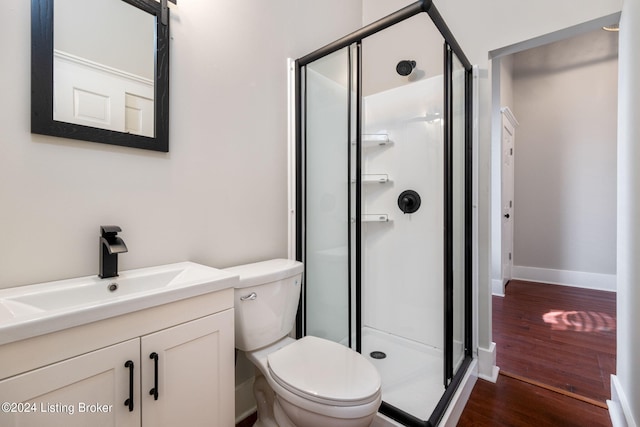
(411, 372)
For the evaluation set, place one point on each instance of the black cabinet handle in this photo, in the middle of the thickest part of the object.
(154, 390)
(507, 216)
(129, 401)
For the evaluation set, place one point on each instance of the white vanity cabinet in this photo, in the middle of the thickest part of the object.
(195, 381)
(61, 393)
(83, 376)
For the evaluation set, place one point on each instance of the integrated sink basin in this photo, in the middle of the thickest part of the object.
(94, 290)
(28, 311)
(10, 309)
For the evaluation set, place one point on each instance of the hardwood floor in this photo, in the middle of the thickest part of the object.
(510, 402)
(556, 352)
(557, 335)
(249, 421)
(514, 403)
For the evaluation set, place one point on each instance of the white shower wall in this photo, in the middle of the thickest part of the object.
(403, 258)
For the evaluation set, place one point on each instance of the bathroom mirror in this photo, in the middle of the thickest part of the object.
(100, 71)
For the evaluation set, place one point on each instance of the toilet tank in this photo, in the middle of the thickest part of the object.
(265, 301)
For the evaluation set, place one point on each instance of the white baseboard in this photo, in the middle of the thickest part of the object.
(245, 402)
(487, 369)
(579, 279)
(497, 288)
(619, 409)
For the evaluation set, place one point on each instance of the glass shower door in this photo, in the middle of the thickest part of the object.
(402, 271)
(327, 205)
(460, 200)
(385, 219)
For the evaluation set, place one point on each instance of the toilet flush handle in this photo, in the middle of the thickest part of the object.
(249, 297)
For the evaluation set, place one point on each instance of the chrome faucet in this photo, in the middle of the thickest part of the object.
(110, 246)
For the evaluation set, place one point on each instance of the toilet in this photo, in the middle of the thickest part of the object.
(310, 382)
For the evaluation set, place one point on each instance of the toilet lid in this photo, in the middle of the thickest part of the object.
(323, 370)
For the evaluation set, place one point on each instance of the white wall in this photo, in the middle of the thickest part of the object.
(506, 81)
(565, 98)
(88, 29)
(218, 197)
(372, 10)
(382, 51)
(481, 28)
(625, 387)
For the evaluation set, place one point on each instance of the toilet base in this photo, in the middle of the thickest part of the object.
(280, 416)
(265, 398)
(270, 413)
(275, 411)
(289, 415)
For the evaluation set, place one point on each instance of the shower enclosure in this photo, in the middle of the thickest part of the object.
(383, 205)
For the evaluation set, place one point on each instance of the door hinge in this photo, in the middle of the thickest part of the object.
(509, 256)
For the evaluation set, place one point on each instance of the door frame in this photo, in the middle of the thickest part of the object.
(494, 243)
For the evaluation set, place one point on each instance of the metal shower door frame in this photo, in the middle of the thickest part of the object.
(353, 41)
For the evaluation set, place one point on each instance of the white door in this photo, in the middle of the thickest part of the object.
(195, 379)
(508, 133)
(88, 390)
(139, 114)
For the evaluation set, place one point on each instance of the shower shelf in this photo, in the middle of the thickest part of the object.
(368, 178)
(369, 140)
(374, 218)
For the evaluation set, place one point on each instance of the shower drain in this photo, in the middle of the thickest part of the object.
(378, 354)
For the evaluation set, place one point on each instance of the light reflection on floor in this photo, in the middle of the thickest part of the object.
(579, 321)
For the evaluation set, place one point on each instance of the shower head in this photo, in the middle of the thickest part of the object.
(404, 68)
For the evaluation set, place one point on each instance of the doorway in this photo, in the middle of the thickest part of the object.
(563, 214)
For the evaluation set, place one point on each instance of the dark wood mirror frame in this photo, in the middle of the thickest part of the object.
(42, 121)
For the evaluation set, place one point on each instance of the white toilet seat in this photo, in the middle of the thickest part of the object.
(325, 372)
(330, 407)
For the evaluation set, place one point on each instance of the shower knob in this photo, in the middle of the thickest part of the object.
(404, 68)
(409, 201)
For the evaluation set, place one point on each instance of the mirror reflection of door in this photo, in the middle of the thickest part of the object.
(104, 65)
